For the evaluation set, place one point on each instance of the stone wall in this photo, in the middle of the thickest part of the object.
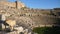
(56, 11)
(37, 16)
(13, 4)
(43, 20)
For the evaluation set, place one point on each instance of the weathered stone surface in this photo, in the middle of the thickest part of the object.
(27, 18)
(20, 29)
(11, 22)
(2, 17)
(13, 4)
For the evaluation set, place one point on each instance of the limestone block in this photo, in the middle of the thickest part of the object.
(3, 26)
(11, 22)
(20, 29)
(29, 33)
(26, 31)
(2, 17)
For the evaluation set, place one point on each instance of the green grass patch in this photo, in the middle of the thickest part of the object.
(47, 30)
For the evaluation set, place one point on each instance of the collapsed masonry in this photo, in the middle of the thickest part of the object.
(15, 4)
(30, 17)
(4, 23)
(7, 25)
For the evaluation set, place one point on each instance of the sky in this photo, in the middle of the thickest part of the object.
(43, 4)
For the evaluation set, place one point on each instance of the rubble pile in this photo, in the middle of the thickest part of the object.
(11, 14)
(22, 21)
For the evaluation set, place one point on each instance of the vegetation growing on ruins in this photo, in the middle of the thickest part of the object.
(47, 30)
(28, 18)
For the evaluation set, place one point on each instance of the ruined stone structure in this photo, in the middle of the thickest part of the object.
(4, 23)
(2, 19)
(57, 11)
(11, 24)
(29, 18)
(16, 4)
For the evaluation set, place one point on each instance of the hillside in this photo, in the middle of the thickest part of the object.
(35, 16)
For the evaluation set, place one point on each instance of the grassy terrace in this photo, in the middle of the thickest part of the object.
(47, 30)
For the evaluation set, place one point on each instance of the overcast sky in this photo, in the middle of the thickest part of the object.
(43, 4)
